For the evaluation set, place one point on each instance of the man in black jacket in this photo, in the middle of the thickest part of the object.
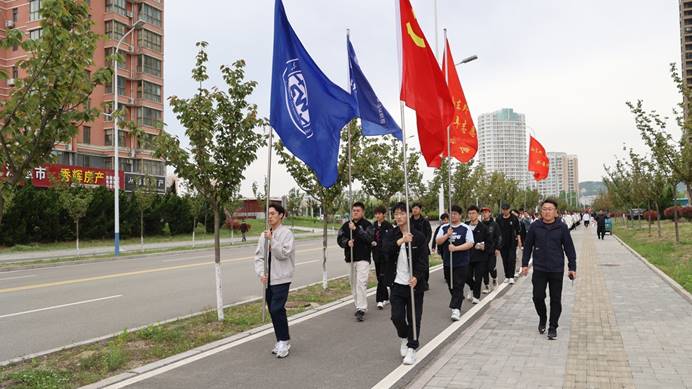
(354, 237)
(421, 223)
(379, 229)
(600, 224)
(479, 258)
(510, 229)
(403, 278)
(549, 240)
(492, 245)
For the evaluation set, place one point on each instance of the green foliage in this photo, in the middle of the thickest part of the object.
(40, 379)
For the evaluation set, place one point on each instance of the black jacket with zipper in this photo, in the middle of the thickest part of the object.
(549, 244)
(480, 234)
(419, 253)
(362, 241)
(378, 232)
(494, 240)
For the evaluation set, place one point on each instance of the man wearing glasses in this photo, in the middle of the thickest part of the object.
(549, 240)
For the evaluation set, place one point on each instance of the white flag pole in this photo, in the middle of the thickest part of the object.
(267, 246)
(350, 203)
(449, 165)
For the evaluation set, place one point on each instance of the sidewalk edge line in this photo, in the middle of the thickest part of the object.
(665, 277)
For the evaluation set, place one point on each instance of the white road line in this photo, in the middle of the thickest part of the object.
(60, 306)
(306, 262)
(18, 277)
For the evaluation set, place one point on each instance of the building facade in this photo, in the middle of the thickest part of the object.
(502, 144)
(563, 176)
(140, 85)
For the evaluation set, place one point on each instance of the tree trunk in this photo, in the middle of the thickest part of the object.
(675, 220)
(141, 230)
(688, 186)
(2, 205)
(649, 212)
(658, 219)
(217, 264)
(194, 227)
(77, 228)
(324, 252)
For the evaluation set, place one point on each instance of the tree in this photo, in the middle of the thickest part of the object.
(260, 194)
(50, 99)
(144, 196)
(294, 202)
(75, 200)
(220, 125)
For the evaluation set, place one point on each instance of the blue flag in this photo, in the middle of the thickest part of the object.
(308, 111)
(373, 116)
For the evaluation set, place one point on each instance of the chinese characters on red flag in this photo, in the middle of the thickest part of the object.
(539, 163)
(462, 131)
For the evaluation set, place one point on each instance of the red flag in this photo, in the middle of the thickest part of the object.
(539, 163)
(462, 132)
(423, 87)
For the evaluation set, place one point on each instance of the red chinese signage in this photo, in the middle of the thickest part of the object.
(43, 176)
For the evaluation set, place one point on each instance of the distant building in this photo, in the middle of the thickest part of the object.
(253, 209)
(563, 176)
(502, 144)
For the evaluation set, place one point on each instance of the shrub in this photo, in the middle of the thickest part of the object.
(683, 212)
(650, 215)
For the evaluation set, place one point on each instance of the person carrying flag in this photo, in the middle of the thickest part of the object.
(359, 227)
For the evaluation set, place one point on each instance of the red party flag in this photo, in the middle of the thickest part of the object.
(423, 87)
(539, 163)
(462, 132)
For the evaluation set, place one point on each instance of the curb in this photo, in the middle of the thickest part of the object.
(673, 284)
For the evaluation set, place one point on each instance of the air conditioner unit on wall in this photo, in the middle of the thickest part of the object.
(10, 82)
(9, 23)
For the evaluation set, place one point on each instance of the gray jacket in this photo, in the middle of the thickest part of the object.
(283, 257)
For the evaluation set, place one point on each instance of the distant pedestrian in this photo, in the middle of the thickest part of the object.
(601, 224)
(403, 278)
(359, 228)
(479, 258)
(379, 230)
(510, 229)
(280, 267)
(444, 219)
(244, 228)
(549, 241)
(586, 219)
(456, 239)
(492, 245)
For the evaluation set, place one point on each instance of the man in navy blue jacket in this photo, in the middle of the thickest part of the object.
(549, 240)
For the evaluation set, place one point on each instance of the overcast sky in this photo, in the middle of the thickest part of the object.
(569, 66)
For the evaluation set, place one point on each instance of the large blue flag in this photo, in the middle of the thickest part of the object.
(373, 115)
(308, 111)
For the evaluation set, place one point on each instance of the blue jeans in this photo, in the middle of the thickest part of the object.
(276, 296)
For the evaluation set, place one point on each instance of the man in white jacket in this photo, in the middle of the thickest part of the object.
(280, 266)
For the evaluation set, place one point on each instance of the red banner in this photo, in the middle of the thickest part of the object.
(539, 163)
(43, 176)
(462, 132)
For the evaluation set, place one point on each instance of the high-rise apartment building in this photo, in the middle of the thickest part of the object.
(563, 175)
(139, 86)
(502, 144)
(686, 49)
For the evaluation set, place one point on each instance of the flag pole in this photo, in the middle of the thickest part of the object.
(350, 200)
(408, 223)
(449, 163)
(267, 256)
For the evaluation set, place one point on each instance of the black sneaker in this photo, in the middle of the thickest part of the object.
(541, 327)
(360, 315)
(552, 333)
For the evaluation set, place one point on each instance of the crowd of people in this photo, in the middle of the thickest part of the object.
(469, 244)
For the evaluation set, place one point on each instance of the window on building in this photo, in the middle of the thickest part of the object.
(34, 10)
(35, 34)
(86, 135)
(15, 15)
(117, 6)
(149, 65)
(154, 168)
(121, 86)
(108, 138)
(147, 141)
(148, 117)
(15, 72)
(115, 30)
(123, 63)
(149, 91)
(150, 14)
(150, 40)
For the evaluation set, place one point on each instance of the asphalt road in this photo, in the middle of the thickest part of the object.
(50, 307)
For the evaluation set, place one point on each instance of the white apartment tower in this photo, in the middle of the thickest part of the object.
(563, 175)
(502, 144)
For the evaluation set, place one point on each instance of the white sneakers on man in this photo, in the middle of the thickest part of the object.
(410, 357)
(469, 297)
(475, 301)
(486, 290)
(282, 349)
(511, 281)
(506, 281)
(380, 305)
(456, 314)
(404, 347)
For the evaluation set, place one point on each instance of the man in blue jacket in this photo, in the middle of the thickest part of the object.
(549, 240)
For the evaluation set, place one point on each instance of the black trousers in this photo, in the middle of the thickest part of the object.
(491, 268)
(382, 293)
(475, 277)
(276, 302)
(509, 260)
(600, 232)
(553, 280)
(400, 300)
(457, 289)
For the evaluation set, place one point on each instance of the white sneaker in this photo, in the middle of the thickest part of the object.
(385, 302)
(475, 301)
(469, 297)
(276, 347)
(486, 290)
(516, 274)
(380, 305)
(282, 349)
(404, 347)
(506, 280)
(511, 281)
(456, 314)
(410, 357)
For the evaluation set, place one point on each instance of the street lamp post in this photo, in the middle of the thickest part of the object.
(116, 160)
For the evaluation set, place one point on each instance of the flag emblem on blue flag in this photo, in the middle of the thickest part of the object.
(308, 111)
(374, 117)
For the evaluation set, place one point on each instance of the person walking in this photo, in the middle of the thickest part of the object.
(509, 228)
(444, 219)
(379, 229)
(403, 278)
(479, 259)
(359, 228)
(492, 244)
(281, 263)
(586, 219)
(421, 223)
(601, 224)
(456, 239)
(244, 228)
(549, 241)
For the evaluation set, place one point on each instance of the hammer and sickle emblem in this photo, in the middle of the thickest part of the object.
(420, 42)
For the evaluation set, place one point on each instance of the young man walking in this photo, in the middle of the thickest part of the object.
(280, 266)
(421, 223)
(403, 278)
(456, 240)
(509, 228)
(380, 228)
(358, 228)
(479, 259)
(549, 240)
(601, 224)
(492, 245)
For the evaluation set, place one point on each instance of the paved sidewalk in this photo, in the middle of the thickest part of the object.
(622, 326)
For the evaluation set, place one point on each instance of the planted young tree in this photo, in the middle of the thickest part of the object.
(144, 196)
(49, 100)
(293, 203)
(221, 126)
(75, 200)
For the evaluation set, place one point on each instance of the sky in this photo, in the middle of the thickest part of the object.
(569, 66)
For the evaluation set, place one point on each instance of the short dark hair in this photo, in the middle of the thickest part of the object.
(549, 201)
(457, 209)
(417, 204)
(278, 208)
(521, 209)
(473, 208)
(444, 216)
(399, 207)
(359, 205)
(380, 209)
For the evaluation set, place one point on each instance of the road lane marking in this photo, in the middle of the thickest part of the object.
(60, 306)
(18, 277)
(306, 262)
(233, 260)
(127, 274)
